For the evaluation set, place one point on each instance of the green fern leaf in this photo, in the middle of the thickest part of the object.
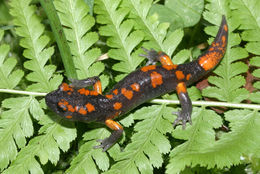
(199, 136)
(247, 13)
(201, 148)
(74, 16)
(228, 83)
(31, 30)
(255, 96)
(121, 38)
(45, 146)
(16, 125)
(148, 144)
(8, 76)
(154, 31)
(88, 157)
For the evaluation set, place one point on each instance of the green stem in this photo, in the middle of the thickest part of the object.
(159, 101)
(60, 38)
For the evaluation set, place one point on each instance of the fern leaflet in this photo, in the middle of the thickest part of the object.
(148, 144)
(247, 13)
(34, 42)
(121, 39)
(74, 16)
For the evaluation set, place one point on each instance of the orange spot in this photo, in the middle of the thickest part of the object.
(115, 91)
(225, 27)
(117, 106)
(169, 67)
(165, 60)
(156, 79)
(188, 77)
(223, 39)
(147, 68)
(179, 75)
(210, 60)
(113, 125)
(127, 93)
(63, 104)
(90, 107)
(83, 91)
(69, 116)
(66, 87)
(82, 111)
(211, 48)
(109, 96)
(93, 93)
(135, 87)
(70, 108)
(98, 87)
(181, 87)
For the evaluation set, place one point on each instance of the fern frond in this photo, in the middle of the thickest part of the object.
(77, 23)
(122, 39)
(8, 76)
(255, 96)
(201, 148)
(247, 13)
(228, 83)
(54, 136)
(148, 144)
(16, 125)
(89, 158)
(31, 30)
(154, 31)
(199, 136)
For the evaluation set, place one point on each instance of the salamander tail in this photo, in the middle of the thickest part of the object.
(217, 49)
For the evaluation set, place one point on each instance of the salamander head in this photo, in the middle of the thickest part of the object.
(69, 103)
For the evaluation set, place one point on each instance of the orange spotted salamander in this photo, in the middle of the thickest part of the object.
(78, 103)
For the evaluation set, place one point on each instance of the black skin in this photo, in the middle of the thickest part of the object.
(105, 110)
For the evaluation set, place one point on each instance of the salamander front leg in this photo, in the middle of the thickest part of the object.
(91, 81)
(112, 139)
(154, 56)
(184, 115)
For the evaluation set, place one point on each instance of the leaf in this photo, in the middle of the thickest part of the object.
(46, 146)
(179, 14)
(77, 24)
(89, 158)
(247, 13)
(15, 126)
(31, 31)
(154, 31)
(148, 144)
(121, 39)
(8, 76)
(206, 151)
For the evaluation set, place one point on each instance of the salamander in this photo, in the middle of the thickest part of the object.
(78, 103)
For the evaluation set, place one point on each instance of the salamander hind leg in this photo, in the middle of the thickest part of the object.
(112, 139)
(184, 115)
